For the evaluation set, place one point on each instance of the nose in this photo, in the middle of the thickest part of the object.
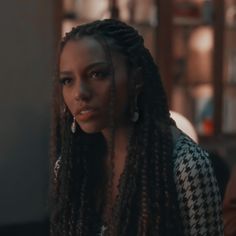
(82, 92)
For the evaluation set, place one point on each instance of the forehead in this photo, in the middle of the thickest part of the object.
(84, 49)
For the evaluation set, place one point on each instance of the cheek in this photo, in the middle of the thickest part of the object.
(102, 94)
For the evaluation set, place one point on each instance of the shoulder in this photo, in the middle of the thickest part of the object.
(197, 189)
(190, 156)
(192, 168)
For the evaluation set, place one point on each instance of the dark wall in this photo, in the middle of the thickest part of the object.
(26, 70)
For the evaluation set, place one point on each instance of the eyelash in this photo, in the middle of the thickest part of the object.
(98, 74)
(65, 80)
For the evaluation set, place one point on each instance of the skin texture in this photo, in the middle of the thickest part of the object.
(86, 76)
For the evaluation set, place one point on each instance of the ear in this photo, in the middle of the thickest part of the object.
(138, 79)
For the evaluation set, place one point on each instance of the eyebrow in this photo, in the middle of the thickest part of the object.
(87, 68)
(97, 64)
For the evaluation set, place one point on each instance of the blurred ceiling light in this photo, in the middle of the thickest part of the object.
(231, 15)
(124, 5)
(68, 6)
(92, 9)
(200, 49)
(145, 12)
(202, 39)
(203, 91)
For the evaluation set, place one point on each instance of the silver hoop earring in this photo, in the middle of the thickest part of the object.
(64, 109)
(73, 126)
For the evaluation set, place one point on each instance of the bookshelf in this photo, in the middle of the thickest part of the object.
(193, 42)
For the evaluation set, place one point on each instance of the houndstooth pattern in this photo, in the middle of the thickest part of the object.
(198, 193)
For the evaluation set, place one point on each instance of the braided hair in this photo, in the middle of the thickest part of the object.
(147, 199)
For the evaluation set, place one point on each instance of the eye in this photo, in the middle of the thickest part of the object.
(98, 74)
(65, 80)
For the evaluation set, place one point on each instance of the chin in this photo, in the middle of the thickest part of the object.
(90, 129)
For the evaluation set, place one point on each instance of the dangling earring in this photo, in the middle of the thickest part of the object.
(135, 115)
(73, 126)
(64, 109)
(56, 169)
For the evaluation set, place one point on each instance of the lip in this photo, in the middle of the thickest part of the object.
(86, 113)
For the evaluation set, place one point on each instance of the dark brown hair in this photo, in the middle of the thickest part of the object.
(147, 200)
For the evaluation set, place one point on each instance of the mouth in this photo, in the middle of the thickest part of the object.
(86, 114)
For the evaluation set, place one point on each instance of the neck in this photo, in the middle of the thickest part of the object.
(121, 140)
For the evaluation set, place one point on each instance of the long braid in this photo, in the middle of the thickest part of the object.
(166, 144)
(65, 181)
(127, 181)
(81, 225)
(157, 185)
(146, 186)
(144, 211)
(163, 150)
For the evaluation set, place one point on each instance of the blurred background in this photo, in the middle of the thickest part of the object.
(193, 42)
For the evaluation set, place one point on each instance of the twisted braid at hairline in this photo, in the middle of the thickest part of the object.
(148, 192)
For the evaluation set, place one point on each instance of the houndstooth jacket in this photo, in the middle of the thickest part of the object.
(197, 189)
(198, 194)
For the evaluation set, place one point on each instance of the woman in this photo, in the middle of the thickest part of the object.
(121, 165)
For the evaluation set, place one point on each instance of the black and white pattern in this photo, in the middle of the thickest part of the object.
(197, 188)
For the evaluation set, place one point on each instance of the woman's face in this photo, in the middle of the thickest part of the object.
(86, 77)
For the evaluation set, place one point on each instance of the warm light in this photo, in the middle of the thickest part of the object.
(185, 125)
(231, 15)
(124, 14)
(145, 11)
(92, 9)
(202, 39)
(203, 91)
(199, 64)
